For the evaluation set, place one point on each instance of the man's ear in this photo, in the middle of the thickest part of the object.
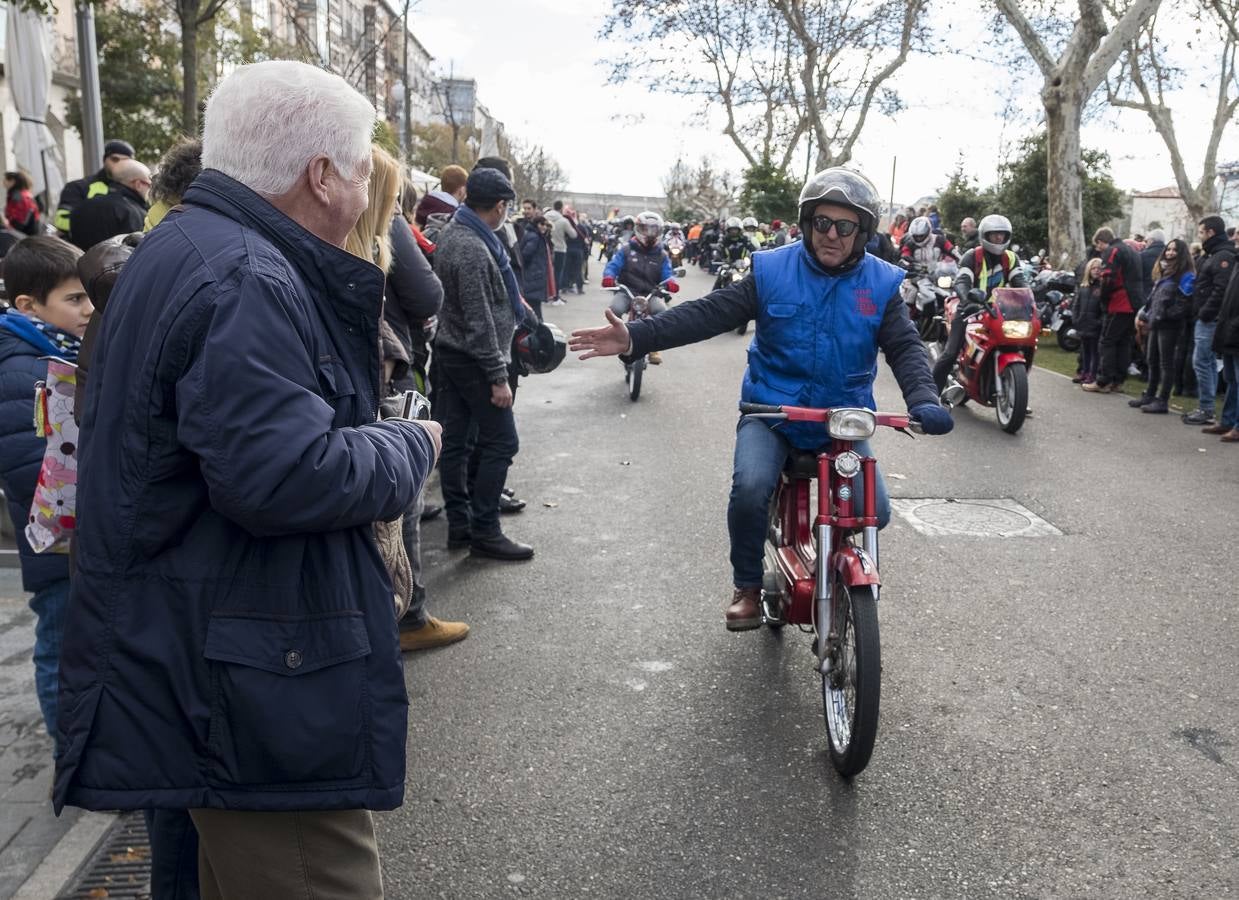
(318, 172)
(24, 303)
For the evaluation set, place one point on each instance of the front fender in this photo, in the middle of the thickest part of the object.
(1006, 358)
(855, 567)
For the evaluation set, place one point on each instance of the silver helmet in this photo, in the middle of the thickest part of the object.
(921, 230)
(994, 224)
(846, 188)
(649, 226)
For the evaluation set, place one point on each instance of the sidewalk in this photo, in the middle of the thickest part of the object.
(38, 851)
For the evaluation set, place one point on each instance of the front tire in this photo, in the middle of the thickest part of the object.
(634, 382)
(851, 692)
(1066, 341)
(1012, 401)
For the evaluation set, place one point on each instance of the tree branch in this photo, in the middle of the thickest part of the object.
(1112, 45)
(1028, 35)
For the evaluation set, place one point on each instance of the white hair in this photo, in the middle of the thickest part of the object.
(1156, 236)
(265, 122)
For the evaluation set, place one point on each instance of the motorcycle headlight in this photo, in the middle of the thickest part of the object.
(737, 275)
(944, 281)
(852, 424)
(847, 464)
(1016, 329)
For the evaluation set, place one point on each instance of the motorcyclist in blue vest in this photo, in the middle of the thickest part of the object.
(991, 265)
(824, 308)
(641, 265)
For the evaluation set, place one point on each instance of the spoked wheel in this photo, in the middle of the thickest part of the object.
(634, 379)
(851, 691)
(1012, 400)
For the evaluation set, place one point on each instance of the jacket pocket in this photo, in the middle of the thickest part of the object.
(333, 378)
(288, 698)
(782, 310)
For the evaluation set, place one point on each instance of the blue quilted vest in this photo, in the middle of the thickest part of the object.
(817, 335)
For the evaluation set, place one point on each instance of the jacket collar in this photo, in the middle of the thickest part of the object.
(1215, 243)
(327, 269)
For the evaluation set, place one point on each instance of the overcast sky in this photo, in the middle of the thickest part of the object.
(537, 67)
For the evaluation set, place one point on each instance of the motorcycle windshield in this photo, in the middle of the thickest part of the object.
(1014, 304)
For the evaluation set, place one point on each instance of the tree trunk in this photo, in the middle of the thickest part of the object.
(1064, 183)
(189, 68)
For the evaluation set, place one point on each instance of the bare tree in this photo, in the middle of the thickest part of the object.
(698, 193)
(1093, 47)
(536, 174)
(777, 69)
(1148, 75)
(846, 56)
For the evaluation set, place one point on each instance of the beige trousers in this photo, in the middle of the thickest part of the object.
(246, 855)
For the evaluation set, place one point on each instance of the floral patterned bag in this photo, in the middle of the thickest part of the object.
(53, 515)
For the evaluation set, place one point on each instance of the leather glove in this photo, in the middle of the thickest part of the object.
(934, 418)
(608, 281)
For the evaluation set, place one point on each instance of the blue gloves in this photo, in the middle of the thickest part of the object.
(934, 418)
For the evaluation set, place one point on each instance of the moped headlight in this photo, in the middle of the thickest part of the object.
(1016, 329)
(847, 464)
(944, 281)
(852, 424)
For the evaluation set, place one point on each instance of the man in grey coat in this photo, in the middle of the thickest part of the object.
(481, 307)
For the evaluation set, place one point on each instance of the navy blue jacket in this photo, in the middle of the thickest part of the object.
(21, 455)
(535, 271)
(231, 636)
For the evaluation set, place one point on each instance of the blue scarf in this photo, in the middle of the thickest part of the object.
(47, 339)
(467, 217)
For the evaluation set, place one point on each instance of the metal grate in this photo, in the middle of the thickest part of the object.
(121, 866)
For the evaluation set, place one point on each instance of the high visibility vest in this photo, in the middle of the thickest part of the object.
(984, 276)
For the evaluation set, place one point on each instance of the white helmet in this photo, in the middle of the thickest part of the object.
(749, 222)
(648, 227)
(993, 225)
(733, 222)
(921, 231)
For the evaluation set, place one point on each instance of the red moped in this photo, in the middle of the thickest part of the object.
(818, 576)
(999, 343)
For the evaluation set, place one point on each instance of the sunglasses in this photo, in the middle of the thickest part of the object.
(842, 227)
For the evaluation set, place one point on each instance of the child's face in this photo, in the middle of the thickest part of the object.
(67, 307)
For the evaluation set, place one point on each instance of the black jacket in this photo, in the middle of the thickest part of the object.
(120, 211)
(1212, 276)
(1226, 338)
(1086, 311)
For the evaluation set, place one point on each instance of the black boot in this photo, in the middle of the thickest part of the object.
(500, 546)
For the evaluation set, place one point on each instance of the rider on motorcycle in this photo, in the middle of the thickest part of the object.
(991, 265)
(823, 308)
(641, 266)
(734, 244)
(923, 246)
(752, 230)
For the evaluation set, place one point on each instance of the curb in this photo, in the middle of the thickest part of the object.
(68, 856)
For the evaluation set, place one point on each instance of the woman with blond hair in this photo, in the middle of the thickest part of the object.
(412, 295)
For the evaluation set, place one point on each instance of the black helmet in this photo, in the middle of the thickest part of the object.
(540, 347)
(846, 188)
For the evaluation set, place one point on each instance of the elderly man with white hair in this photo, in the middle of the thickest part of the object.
(231, 646)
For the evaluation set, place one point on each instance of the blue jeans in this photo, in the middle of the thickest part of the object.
(1230, 408)
(1205, 363)
(760, 455)
(48, 606)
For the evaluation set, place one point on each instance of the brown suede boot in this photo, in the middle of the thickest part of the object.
(745, 610)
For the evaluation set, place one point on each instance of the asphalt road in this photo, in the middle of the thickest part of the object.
(1058, 713)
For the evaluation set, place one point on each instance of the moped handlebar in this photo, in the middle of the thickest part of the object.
(805, 414)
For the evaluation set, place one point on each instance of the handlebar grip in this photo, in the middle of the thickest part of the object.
(749, 409)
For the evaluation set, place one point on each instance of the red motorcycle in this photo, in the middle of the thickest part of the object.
(999, 344)
(818, 577)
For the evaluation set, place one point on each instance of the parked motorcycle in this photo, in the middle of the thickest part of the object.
(1044, 285)
(999, 344)
(1062, 323)
(819, 576)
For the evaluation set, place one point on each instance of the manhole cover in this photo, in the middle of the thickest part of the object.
(1002, 518)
